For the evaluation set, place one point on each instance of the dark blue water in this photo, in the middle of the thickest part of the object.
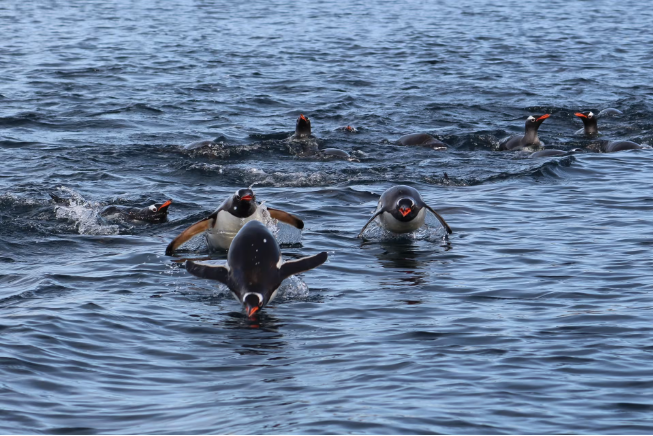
(533, 317)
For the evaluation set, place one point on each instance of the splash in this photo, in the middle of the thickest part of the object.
(431, 231)
(84, 214)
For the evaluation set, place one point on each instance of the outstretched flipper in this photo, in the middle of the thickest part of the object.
(193, 230)
(368, 223)
(213, 272)
(300, 265)
(442, 221)
(285, 217)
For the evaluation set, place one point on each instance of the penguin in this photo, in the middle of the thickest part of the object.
(551, 152)
(529, 138)
(255, 268)
(613, 146)
(348, 129)
(223, 224)
(590, 123)
(421, 140)
(156, 213)
(402, 210)
(302, 128)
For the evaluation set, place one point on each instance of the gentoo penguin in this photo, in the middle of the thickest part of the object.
(348, 129)
(613, 146)
(302, 128)
(529, 138)
(223, 224)
(402, 210)
(422, 140)
(551, 152)
(589, 122)
(255, 268)
(156, 213)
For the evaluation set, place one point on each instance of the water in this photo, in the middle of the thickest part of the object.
(533, 317)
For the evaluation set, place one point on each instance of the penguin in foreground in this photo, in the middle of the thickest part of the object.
(402, 210)
(530, 136)
(255, 268)
(156, 213)
(302, 128)
(223, 224)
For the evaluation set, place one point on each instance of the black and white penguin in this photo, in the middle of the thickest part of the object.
(302, 128)
(530, 136)
(255, 268)
(421, 140)
(222, 225)
(590, 123)
(402, 210)
(156, 213)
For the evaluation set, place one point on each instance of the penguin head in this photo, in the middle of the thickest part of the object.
(590, 122)
(303, 126)
(534, 121)
(244, 198)
(405, 209)
(253, 301)
(156, 212)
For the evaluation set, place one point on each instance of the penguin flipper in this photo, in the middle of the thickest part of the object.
(285, 217)
(442, 221)
(368, 223)
(300, 265)
(193, 230)
(213, 272)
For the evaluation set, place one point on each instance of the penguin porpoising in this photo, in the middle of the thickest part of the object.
(402, 210)
(222, 225)
(255, 267)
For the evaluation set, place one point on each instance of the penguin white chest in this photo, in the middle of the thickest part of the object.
(394, 225)
(227, 226)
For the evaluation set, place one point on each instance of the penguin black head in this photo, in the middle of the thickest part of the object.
(155, 212)
(589, 120)
(534, 121)
(405, 209)
(253, 302)
(303, 127)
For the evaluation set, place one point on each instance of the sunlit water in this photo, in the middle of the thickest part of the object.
(534, 316)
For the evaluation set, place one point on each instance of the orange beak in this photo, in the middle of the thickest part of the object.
(404, 211)
(302, 117)
(252, 310)
(246, 197)
(543, 117)
(164, 205)
(578, 114)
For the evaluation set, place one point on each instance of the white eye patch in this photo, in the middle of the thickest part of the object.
(153, 208)
(531, 118)
(590, 115)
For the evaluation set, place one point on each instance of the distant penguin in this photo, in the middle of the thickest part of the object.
(302, 128)
(348, 129)
(255, 268)
(590, 122)
(402, 210)
(530, 136)
(421, 140)
(223, 224)
(156, 213)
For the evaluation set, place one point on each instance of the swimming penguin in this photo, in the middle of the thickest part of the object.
(302, 128)
(402, 210)
(348, 129)
(421, 140)
(156, 213)
(223, 224)
(529, 138)
(255, 268)
(613, 146)
(589, 122)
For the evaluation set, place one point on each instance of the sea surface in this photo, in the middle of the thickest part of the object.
(534, 316)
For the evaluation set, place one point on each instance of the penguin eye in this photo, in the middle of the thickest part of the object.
(153, 208)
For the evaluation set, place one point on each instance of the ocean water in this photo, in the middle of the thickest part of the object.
(532, 317)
